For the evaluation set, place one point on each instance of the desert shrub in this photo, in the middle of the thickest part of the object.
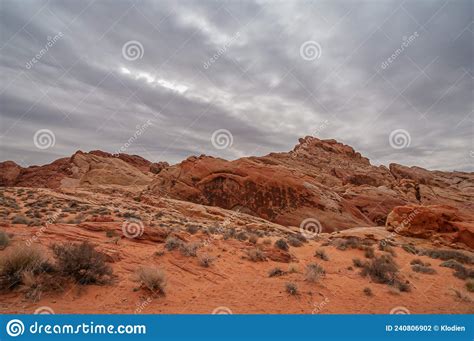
(291, 288)
(267, 242)
(253, 238)
(369, 253)
(35, 284)
(229, 233)
(205, 260)
(387, 248)
(300, 237)
(470, 286)
(189, 249)
(153, 279)
(410, 248)
(192, 229)
(18, 261)
(314, 272)
(357, 263)
(82, 262)
(368, 292)
(131, 215)
(461, 296)
(381, 269)
(292, 268)
(275, 272)
(423, 269)
(295, 242)
(172, 243)
(242, 236)
(460, 270)
(449, 254)
(4, 240)
(281, 244)
(256, 255)
(20, 219)
(351, 243)
(321, 254)
(417, 261)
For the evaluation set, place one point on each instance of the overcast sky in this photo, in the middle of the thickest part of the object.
(393, 79)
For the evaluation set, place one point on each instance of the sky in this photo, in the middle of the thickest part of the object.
(169, 79)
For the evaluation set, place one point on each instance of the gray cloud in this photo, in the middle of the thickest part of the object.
(257, 85)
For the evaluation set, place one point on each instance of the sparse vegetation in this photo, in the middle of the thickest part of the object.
(20, 219)
(368, 292)
(292, 268)
(256, 255)
(321, 254)
(384, 246)
(410, 248)
(291, 288)
(18, 261)
(449, 254)
(423, 269)
(172, 243)
(189, 249)
(276, 272)
(314, 272)
(253, 238)
(4, 240)
(192, 228)
(295, 242)
(357, 263)
(369, 252)
(205, 260)
(460, 270)
(153, 279)
(282, 244)
(470, 286)
(82, 262)
(384, 270)
(242, 236)
(351, 243)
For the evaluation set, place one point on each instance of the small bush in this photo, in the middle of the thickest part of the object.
(410, 248)
(189, 249)
(292, 268)
(314, 272)
(321, 254)
(19, 261)
(242, 236)
(172, 243)
(192, 229)
(369, 253)
(205, 260)
(267, 242)
(253, 238)
(281, 244)
(387, 248)
(291, 288)
(351, 243)
(368, 292)
(417, 261)
(153, 279)
(381, 269)
(256, 255)
(470, 286)
(423, 269)
(82, 262)
(4, 240)
(460, 270)
(20, 219)
(295, 242)
(276, 272)
(357, 263)
(449, 254)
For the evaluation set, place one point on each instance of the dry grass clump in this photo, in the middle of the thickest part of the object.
(189, 249)
(295, 242)
(449, 254)
(384, 270)
(205, 260)
(321, 254)
(20, 219)
(368, 292)
(460, 270)
(82, 262)
(256, 255)
(17, 262)
(314, 272)
(291, 288)
(153, 279)
(275, 272)
(172, 243)
(423, 269)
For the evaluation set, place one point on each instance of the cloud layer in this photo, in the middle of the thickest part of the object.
(158, 78)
